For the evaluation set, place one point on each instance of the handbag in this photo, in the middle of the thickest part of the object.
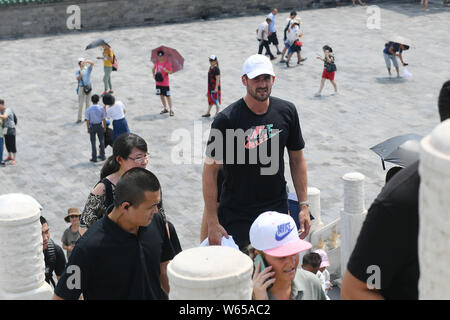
(86, 88)
(331, 67)
(115, 64)
(159, 77)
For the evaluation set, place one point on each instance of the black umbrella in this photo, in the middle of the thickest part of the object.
(402, 150)
(97, 43)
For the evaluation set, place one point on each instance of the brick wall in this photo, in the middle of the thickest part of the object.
(34, 20)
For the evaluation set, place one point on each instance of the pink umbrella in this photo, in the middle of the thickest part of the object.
(171, 55)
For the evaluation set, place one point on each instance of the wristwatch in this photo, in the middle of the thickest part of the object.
(306, 203)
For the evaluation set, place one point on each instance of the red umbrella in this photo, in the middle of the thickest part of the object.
(171, 55)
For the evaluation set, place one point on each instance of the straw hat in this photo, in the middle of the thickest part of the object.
(72, 212)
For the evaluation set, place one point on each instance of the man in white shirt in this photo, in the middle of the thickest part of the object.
(289, 22)
(263, 37)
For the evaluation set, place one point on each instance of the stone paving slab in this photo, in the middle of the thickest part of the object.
(53, 152)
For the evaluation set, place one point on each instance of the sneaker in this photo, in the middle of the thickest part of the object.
(13, 162)
(278, 52)
(110, 91)
(2, 164)
(101, 158)
(318, 94)
(273, 58)
(93, 160)
(104, 92)
(7, 159)
(287, 64)
(78, 121)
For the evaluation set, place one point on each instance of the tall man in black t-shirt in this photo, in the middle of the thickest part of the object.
(249, 137)
(125, 254)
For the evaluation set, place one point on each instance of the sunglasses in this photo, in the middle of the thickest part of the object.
(74, 216)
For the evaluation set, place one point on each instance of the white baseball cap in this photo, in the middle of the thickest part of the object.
(212, 58)
(324, 256)
(256, 65)
(276, 234)
(80, 60)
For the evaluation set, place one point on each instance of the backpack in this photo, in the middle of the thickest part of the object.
(15, 118)
(115, 64)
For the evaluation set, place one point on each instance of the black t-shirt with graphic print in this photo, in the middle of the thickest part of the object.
(253, 155)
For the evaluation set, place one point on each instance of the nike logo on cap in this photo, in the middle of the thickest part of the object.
(283, 231)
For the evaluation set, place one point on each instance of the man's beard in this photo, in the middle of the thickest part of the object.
(259, 97)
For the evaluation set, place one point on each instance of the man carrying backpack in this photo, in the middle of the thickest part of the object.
(9, 131)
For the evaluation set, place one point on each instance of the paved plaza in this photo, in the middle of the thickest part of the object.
(38, 82)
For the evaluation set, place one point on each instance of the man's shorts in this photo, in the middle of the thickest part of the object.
(294, 48)
(161, 90)
(273, 38)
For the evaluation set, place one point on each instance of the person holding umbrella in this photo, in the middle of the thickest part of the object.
(166, 61)
(161, 71)
(108, 60)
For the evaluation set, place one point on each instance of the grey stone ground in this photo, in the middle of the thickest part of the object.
(53, 152)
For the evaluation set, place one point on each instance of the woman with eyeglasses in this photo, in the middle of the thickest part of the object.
(129, 151)
(72, 233)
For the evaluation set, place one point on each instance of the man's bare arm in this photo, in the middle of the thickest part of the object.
(209, 182)
(355, 289)
(164, 280)
(297, 164)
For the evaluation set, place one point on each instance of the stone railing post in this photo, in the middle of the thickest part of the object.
(434, 214)
(352, 216)
(22, 266)
(314, 207)
(210, 273)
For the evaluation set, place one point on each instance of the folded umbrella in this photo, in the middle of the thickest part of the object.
(171, 55)
(402, 150)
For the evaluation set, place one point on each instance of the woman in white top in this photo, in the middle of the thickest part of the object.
(116, 111)
(293, 40)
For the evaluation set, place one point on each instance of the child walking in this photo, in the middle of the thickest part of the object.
(213, 86)
(328, 70)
